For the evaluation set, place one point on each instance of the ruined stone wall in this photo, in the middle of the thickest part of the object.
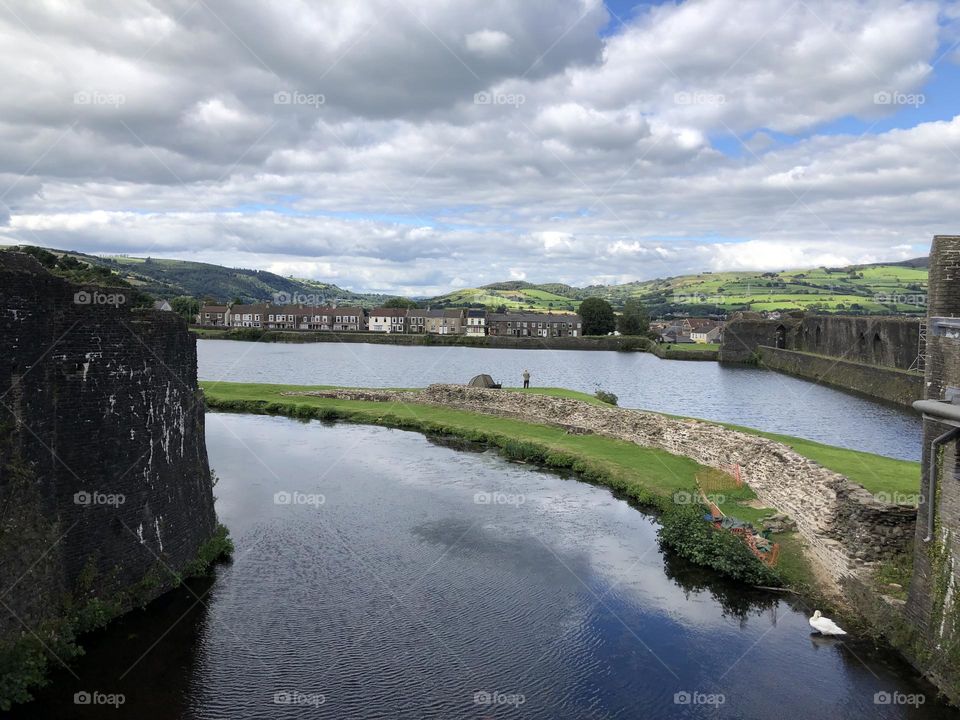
(886, 341)
(934, 603)
(888, 384)
(104, 478)
(844, 525)
(869, 355)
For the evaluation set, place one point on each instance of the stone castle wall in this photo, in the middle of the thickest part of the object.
(870, 355)
(933, 607)
(885, 341)
(889, 384)
(103, 468)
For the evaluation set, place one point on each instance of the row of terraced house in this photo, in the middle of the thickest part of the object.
(450, 321)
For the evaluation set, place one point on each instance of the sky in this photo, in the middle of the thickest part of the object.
(416, 146)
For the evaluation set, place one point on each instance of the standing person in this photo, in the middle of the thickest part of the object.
(526, 378)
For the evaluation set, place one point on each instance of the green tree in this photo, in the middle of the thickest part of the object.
(597, 316)
(634, 320)
(399, 302)
(186, 307)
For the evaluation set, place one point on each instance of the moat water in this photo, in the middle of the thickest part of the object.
(382, 574)
(744, 395)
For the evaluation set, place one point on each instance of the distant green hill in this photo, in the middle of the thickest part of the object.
(868, 289)
(171, 278)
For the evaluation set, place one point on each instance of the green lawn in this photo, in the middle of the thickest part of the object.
(637, 470)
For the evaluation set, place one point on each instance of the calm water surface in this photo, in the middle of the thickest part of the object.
(743, 395)
(390, 588)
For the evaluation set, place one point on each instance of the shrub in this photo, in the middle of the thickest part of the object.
(685, 532)
(604, 396)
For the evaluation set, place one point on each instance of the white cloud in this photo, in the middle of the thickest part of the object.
(488, 42)
(610, 166)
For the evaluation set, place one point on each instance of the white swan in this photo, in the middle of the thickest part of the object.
(825, 626)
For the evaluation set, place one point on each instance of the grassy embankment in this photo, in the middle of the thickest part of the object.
(647, 476)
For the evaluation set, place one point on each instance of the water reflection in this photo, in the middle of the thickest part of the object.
(402, 596)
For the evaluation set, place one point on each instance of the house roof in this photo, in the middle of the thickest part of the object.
(454, 313)
(389, 312)
(213, 308)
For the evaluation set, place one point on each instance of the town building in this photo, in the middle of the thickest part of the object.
(434, 322)
(451, 323)
(534, 325)
(476, 322)
(213, 315)
(248, 316)
(707, 332)
(387, 320)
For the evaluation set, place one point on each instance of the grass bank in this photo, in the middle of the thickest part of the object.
(649, 477)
